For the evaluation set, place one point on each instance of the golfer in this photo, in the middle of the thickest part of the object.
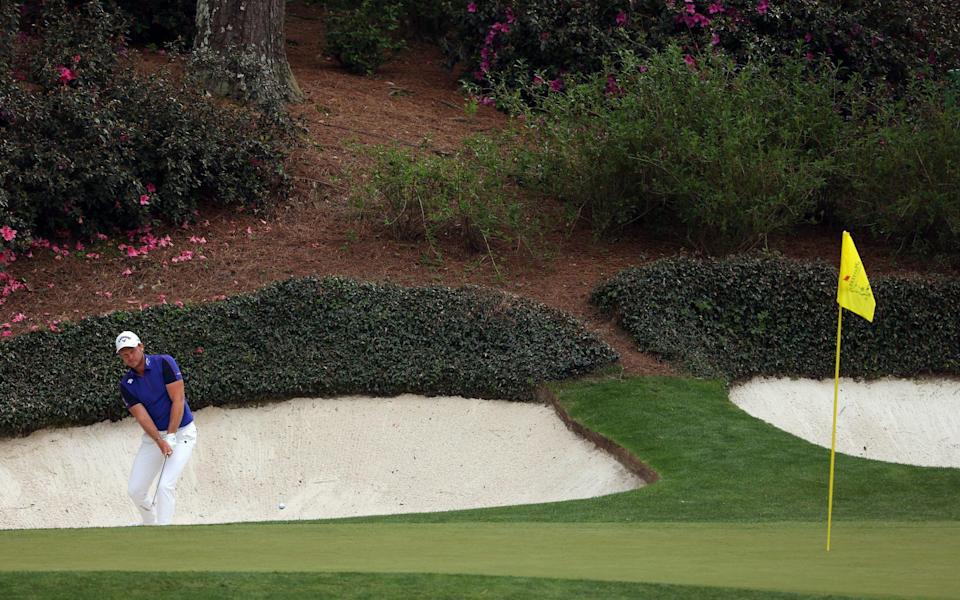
(153, 392)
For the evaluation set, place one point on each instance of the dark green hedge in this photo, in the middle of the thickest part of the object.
(756, 315)
(303, 336)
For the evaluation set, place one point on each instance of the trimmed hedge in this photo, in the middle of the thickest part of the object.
(761, 315)
(327, 337)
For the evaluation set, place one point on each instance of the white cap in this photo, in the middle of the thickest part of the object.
(127, 339)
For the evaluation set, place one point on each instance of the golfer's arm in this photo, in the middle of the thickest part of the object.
(143, 417)
(175, 390)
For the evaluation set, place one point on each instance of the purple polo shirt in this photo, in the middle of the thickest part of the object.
(150, 389)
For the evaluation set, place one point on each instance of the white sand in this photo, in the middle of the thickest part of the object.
(320, 457)
(910, 422)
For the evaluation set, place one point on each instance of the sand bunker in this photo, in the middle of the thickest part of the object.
(910, 422)
(321, 458)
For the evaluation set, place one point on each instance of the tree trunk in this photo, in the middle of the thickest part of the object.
(240, 50)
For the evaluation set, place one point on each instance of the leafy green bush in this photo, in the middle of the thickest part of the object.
(757, 315)
(425, 196)
(159, 22)
(904, 172)
(89, 144)
(362, 37)
(731, 154)
(304, 336)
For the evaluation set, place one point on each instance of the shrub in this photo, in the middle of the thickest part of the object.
(761, 315)
(362, 37)
(504, 40)
(159, 22)
(904, 173)
(730, 153)
(422, 196)
(98, 146)
(320, 337)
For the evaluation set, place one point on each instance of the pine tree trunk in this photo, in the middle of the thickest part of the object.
(241, 50)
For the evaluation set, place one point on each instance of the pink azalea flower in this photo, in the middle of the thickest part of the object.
(808, 37)
(6, 325)
(151, 188)
(162, 298)
(7, 233)
(184, 256)
(93, 256)
(179, 303)
(644, 69)
(471, 8)
(556, 85)
(715, 8)
(537, 80)
(199, 350)
(691, 61)
(808, 56)
(126, 272)
(108, 295)
(762, 7)
(621, 18)
(6, 333)
(715, 39)
(198, 240)
(690, 7)
(76, 58)
(66, 75)
(144, 200)
(18, 317)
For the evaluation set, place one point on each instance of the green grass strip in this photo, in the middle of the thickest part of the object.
(916, 560)
(100, 585)
(720, 464)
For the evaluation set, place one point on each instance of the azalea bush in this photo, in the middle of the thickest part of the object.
(355, 338)
(91, 145)
(891, 42)
(745, 316)
(728, 153)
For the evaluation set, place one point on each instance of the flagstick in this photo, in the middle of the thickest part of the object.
(833, 437)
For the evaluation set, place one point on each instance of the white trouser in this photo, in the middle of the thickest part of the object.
(148, 463)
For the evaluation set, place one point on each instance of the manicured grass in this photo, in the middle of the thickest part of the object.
(912, 560)
(349, 586)
(720, 464)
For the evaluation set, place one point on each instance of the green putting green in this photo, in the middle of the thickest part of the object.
(868, 559)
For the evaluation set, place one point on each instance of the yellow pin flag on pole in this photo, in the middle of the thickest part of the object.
(855, 295)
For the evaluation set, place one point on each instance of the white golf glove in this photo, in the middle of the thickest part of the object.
(170, 438)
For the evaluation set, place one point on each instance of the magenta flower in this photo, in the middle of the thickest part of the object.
(537, 80)
(613, 88)
(471, 8)
(715, 8)
(76, 59)
(18, 317)
(66, 75)
(151, 188)
(7, 233)
(690, 7)
(808, 37)
(144, 200)
(762, 7)
(621, 18)
(556, 85)
(691, 61)
(715, 39)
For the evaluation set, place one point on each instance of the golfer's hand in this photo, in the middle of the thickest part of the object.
(165, 446)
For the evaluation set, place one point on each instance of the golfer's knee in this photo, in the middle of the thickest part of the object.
(136, 492)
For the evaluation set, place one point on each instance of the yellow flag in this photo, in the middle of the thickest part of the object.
(853, 289)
